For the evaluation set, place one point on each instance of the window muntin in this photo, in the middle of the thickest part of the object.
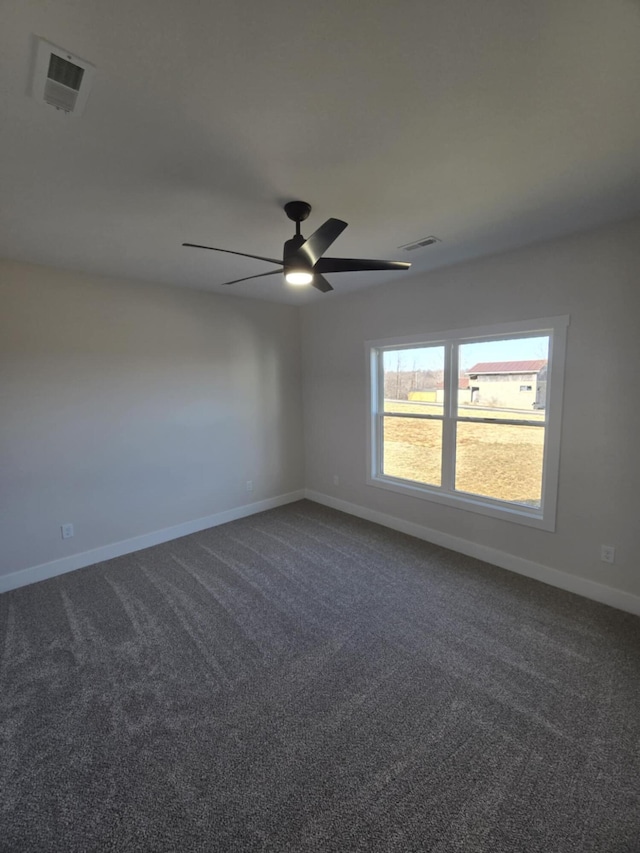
(496, 454)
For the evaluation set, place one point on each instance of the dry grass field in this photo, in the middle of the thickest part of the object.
(503, 462)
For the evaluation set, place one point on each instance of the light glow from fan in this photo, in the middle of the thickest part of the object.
(299, 277)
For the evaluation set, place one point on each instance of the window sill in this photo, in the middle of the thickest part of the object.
(516, 514)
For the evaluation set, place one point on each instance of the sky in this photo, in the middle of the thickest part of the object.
(432, 358)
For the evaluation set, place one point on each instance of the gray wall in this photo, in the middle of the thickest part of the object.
(595, 278)
(127, 408)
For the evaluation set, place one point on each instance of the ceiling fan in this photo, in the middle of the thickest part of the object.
(302, 259)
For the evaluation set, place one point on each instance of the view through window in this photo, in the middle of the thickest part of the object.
(466, 417)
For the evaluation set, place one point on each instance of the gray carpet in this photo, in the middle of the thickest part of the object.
(302, 680)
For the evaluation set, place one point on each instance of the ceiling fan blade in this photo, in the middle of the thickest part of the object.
(320, 283)
(357, 265)
(320, 240)
(230, 252)
(260, 275)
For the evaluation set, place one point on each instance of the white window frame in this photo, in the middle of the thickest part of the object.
(543, 517)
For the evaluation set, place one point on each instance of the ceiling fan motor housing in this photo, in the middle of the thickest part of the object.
(293, 260)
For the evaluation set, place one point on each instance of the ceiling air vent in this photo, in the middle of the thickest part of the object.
(61, 79)
(418, 244)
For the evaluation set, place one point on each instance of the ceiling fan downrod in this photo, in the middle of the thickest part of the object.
(297, 211)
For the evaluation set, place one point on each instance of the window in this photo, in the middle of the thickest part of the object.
(452, 422)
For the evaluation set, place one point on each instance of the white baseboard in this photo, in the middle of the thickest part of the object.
(562, 580)
(571, 583)
(137, 543)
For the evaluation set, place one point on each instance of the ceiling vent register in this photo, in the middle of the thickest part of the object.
(61, 79)
(419, 244)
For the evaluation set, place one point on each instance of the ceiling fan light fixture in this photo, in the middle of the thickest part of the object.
(299, 277)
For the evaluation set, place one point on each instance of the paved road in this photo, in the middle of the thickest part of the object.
(470, 408)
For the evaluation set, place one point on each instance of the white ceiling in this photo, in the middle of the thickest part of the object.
(490, 124)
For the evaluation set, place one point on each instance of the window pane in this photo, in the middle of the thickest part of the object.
(500, 461)
(504, 379)
(413, 380)
(412, 449)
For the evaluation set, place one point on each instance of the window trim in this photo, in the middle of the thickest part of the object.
(544, 517)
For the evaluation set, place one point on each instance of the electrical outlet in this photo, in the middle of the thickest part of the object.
(608, 553)
(336, 480)
(249, 485)
(67, 531)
